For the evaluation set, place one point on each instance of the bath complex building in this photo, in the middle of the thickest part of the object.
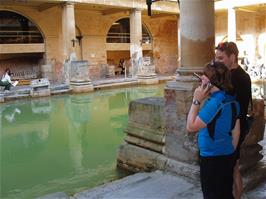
(38, 36)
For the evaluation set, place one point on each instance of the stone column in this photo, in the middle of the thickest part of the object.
(68, 31)
(135, 39)
(197, 49)
(197, 34)
(178, 42)
(231, 24)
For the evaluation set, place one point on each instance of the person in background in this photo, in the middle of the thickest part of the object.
(6, 80)
(227, 52)
(218, 130)
(245, 62)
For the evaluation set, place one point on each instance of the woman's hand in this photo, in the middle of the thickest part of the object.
(201, 92)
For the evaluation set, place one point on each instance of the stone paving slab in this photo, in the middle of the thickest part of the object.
(145, 185)
(154, 185)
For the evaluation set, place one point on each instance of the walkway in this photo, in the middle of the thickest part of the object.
(155, 185)
(24, 91)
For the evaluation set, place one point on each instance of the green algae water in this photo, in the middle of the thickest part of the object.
(63, 143)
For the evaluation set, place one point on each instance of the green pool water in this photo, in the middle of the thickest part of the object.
(63, 143)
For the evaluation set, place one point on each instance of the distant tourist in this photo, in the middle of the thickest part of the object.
(6, 80)
(245, 62)
(218, 130)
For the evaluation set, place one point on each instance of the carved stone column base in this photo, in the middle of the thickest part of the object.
(81, 87)
(148, 79)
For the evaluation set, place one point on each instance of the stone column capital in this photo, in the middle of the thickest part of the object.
(69, 3)
(136, 10)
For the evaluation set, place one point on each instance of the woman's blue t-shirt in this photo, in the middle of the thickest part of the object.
(222, 142)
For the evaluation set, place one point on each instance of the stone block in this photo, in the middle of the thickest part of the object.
(40, 87)
(256, 132)
(81, 87)
(136, 158)
(146, 133)
(42, 82)
(181, 148)
(148, 81)
(147, 112)
(179, 145)
(79, 71)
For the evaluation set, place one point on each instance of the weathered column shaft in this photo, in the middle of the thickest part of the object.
(136, 36)
(179, 42)
(68, 30)
(231, 25)
(197, 32)
(197, 49)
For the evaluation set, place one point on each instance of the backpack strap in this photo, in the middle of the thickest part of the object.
(212, 124)
(234, 117)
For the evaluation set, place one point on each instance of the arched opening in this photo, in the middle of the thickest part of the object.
(78, 47)
(23, 46)
(118, 44)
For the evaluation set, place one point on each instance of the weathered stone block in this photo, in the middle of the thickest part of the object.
(179, 145)
(256, 132)
(146, 133)
(40, 87)
(147, 112)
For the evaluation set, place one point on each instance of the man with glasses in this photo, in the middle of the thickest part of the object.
(227, 52)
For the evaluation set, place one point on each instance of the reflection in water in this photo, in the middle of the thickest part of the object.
(64, 143)
(41, 105)
(10, 116)
(78, 109)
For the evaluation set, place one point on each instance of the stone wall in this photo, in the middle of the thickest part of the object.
(94, 32)
(250, 26)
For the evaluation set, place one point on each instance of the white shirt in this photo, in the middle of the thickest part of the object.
(6, 78)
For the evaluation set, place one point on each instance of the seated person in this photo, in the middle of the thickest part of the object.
(122, 66)
(6, 80)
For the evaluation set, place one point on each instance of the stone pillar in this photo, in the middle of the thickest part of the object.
(197, 34)
(135, 39)
(231, 24)
(197, 49)
(179, 42)
(79, 77)
(68, 32)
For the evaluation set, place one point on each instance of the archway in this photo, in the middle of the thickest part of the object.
(118, 44)
(23, 46)
(78, 48)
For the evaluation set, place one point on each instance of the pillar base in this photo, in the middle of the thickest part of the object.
(40, 93)
(188, 71)
(148, 79)
(81, 87)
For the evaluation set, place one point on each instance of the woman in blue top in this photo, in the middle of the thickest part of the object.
(218, 130)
